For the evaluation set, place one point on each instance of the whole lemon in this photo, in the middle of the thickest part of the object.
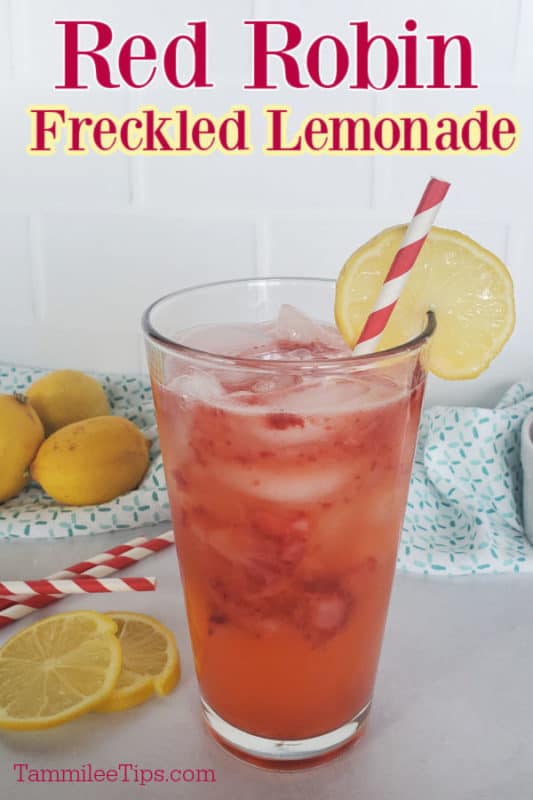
(21, 433)
(91, 462)
(67, 396)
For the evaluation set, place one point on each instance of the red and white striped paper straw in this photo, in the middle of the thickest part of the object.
(102, 564)
(412, 243)
(80, 585)
(80, 567)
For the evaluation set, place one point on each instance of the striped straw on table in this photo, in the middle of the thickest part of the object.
(80, 585)
(98, 566)
(77, 569)
(413, 241)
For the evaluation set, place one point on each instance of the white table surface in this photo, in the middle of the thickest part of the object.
(452, 715)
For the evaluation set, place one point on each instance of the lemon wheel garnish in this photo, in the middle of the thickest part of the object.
(468, 287)
(58, 669)
(150, 662)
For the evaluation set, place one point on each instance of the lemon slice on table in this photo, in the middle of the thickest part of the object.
(469, 289)
(150, 663)
(57, 669)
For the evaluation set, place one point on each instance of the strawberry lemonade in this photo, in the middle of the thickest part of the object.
(287, 464)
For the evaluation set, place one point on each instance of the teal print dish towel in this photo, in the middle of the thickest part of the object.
(464, 512)
(527, 467)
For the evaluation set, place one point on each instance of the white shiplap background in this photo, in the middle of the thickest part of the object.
(87, 242)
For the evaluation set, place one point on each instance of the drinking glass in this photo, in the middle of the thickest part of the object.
(287, 478)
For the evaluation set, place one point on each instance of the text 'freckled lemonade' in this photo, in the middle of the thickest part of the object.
(287, 467)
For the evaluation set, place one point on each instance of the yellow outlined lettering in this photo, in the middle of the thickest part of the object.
(181, 131)
(479, 133)
(44, 123)
(148, 132)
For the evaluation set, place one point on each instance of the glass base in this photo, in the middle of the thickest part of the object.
(285, 754)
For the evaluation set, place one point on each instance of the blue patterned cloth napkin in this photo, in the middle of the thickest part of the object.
(527, 467)
(464, 513)
(34, 515)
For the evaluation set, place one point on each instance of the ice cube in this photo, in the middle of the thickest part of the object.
(196, 386)
(294, 326)
(228, 340)
(327, 612)
(287, 486)
(274, 383)
(334, 395)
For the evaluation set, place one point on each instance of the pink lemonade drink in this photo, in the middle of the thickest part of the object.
(287, 463)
